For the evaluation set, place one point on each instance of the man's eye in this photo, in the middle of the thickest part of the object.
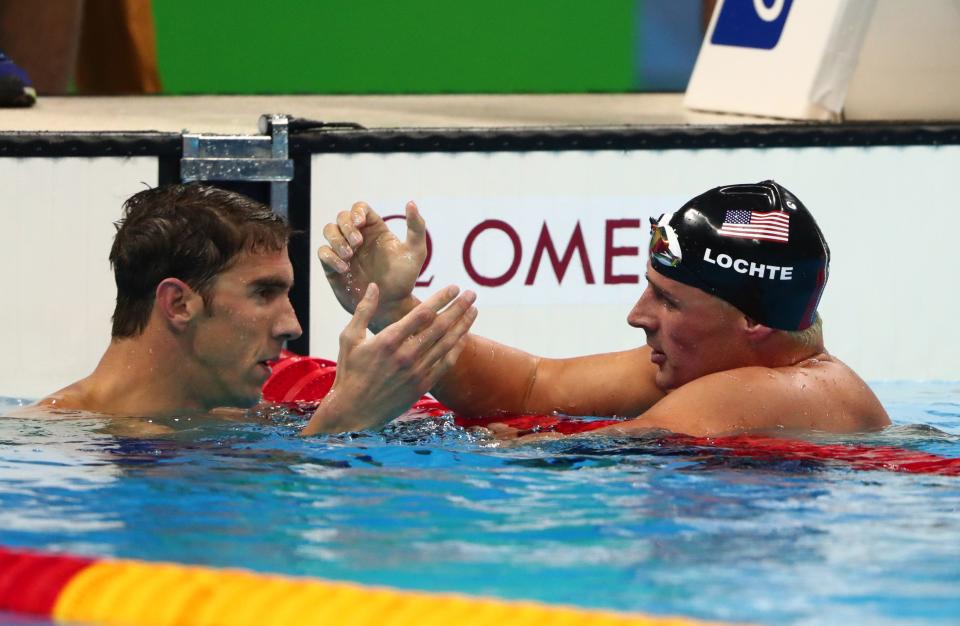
(667, 302)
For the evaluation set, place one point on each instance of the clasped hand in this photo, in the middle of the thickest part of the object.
(373, 274)
(361, 249)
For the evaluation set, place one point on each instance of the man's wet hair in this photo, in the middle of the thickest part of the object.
(192, 232)
(809, 337)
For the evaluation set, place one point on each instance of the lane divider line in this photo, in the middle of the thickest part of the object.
(141, 593)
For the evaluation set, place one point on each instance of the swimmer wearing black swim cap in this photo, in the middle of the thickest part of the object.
(734, 343)
(755, 246)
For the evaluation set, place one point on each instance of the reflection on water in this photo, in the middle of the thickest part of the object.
(633, 525)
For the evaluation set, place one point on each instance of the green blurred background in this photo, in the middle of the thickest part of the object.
(426, 46)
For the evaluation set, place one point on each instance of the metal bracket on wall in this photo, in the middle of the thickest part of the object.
(251, 158)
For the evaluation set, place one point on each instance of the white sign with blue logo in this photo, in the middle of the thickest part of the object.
(779, 58)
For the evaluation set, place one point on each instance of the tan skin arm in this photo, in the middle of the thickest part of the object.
(725, 403)
(488, 377)
(828, 397)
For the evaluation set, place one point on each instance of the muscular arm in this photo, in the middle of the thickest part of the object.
(487, 377)
(490, 377)
(827, 398)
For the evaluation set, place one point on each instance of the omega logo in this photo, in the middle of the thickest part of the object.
(546, 253)
(768, 13)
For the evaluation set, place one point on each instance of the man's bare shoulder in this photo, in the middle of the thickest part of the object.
(820, 393)
(848, 403)
(73, 402)
(72, 398)
(66, 401)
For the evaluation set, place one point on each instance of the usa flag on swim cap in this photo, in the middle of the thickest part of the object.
(771, 226)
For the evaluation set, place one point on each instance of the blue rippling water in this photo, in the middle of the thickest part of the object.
(637, 525)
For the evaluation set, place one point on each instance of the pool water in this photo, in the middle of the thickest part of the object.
(639, 525)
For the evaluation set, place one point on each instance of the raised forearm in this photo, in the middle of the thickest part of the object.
(488, 378)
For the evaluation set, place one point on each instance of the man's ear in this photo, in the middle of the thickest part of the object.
(177, 302)
(754, 330)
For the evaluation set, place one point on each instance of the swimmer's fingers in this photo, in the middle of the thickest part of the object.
(451, 359)
(442, 298)
(350, 222)
(444, 353)
(416, 228)
(331, 262)
(356, 329)
(421, 317)
(428, 355)
(369, 222)
(338, 243)
(360, 214)
(454, 322)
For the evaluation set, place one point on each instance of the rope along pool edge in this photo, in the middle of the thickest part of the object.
(134, 593)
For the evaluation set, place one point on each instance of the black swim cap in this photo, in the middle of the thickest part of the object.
(755, 246)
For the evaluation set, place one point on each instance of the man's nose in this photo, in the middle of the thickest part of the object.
(288, 327)
(640, 315)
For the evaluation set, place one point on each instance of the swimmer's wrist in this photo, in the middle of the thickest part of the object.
(389, 313)
(334, 416)
(321, 422)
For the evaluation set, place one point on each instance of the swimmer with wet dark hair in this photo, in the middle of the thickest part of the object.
(734, 341)
(203, 310)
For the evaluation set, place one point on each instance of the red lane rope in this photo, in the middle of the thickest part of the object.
(134, 592)
(30, 582)
(856, 456)
(305, 379)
